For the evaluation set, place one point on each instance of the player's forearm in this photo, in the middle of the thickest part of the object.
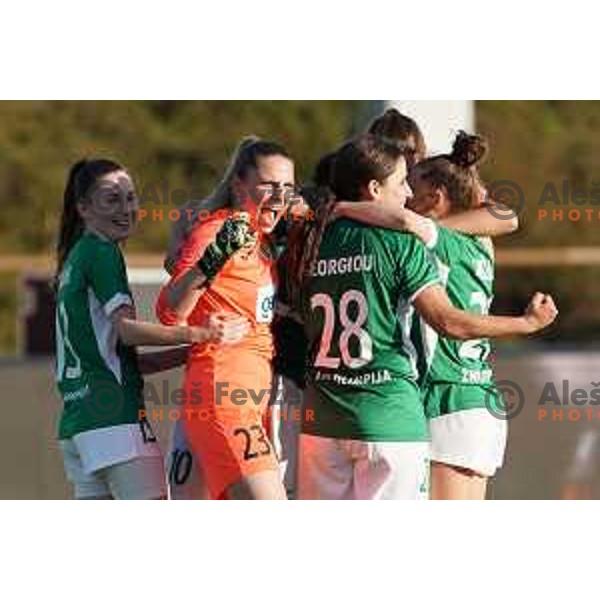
(462, 325)
(154, 362)
(372, 213)
(483, 222)
(141, 333)
(397, 218)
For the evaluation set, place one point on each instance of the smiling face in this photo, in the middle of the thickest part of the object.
(266, 190)
(110, 206)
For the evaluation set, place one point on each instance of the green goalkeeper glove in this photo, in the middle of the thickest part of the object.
(234, 235)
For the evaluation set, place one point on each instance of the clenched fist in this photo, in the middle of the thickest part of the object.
(541, 311)
(234, 235)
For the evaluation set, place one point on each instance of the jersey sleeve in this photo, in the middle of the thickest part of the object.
(445, 246)
(107, 276)
(433, 232)
(187, 256)
(416, 269)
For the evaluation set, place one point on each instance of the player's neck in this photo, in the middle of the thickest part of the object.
(89, 229)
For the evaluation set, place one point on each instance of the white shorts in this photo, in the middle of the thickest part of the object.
(336, 469)
(121, 462)
(473, 439)
(185, 473)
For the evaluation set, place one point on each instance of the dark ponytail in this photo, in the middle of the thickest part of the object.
(319, 188)
(457, 171)
(81, 178)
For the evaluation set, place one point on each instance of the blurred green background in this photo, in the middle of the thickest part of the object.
(187, 143)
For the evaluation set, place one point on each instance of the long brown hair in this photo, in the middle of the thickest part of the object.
(81, 179)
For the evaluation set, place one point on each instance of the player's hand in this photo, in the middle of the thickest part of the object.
(234, 235)
(541, 311)
(228, 328)
(338, 211)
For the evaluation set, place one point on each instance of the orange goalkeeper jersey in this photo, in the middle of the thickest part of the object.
(225, 429)
(245, 286)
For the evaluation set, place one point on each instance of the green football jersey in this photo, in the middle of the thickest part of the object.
(362, 383)
(466, 267)
(97, 376)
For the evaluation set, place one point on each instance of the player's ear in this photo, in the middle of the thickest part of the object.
(443, 206)
(440, 197)
(374, 189)
(83, 209)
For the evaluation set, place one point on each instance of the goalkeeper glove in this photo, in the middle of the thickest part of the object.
(234, 235)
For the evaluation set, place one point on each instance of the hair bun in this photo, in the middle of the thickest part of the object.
(468, 150)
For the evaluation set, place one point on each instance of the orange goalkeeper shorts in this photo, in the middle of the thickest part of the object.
(225, 430)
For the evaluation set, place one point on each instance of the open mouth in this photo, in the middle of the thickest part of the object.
(269, 217)
(122, 222)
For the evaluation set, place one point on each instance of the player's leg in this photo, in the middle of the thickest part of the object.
(391, 470)
(186, 480)
(142, 478)
(290, 424)
(254, 473)
(272, 422)
(468, 440)
(467, 447)
(325, 469)
(86, 486)
(265, 485)
(449, 482)
(126, 458)
(227, 434)
(237, 457)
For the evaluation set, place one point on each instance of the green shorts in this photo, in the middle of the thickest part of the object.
(446, 398)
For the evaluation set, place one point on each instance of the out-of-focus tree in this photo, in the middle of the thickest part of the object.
(183, 143)
(540, 145)
(187, 144)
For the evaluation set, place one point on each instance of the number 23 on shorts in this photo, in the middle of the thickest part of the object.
(255, 442)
